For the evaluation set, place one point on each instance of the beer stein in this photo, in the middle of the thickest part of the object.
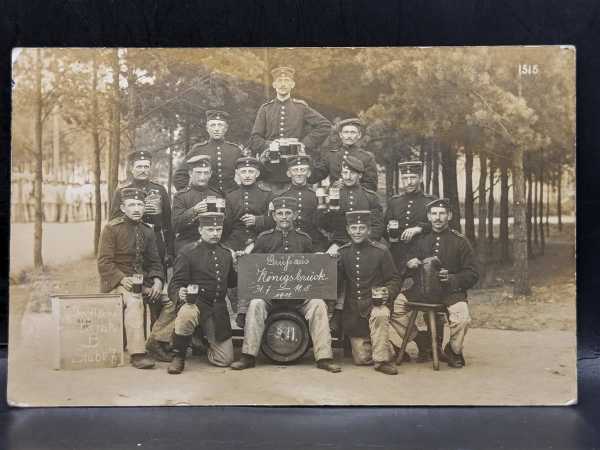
(394, 230)
(275, 155)
(334, 199)
(153, 202)
(192, 293)
(211, 203)
(378, 294)
(321, 198)
(138, 282)
(221, 205)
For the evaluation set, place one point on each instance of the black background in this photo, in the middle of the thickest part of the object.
(316, 23)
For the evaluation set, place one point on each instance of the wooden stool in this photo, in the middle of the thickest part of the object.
(429, 311)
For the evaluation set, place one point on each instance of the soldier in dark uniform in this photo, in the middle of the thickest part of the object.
(284, 239)
(283, 118)
(128, 248)
(330, 162)
(353, 197)
(299, 170)
(158, 204)
(363, 265)
(223, 155)
(246, 208)
(458, 273)
(209, 265)
(189, 203)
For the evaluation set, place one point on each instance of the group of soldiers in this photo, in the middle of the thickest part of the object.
(273, 197)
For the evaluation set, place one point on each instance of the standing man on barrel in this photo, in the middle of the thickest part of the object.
(223, 155)
(281, 121)
(284, 239)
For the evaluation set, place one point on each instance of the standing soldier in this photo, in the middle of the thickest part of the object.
(284, 118)
(458, 273)
(158, 204)
(190, 202)
(369, 285)
(299, 170)
(207, 267)
(330, 163)
(352, 197)
(284, 239)
(223, 155)
(128, 255)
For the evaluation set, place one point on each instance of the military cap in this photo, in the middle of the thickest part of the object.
(353, 121)
(211, 219)
(299, 160)
(132, 193)
(411, 167)
(441, 202)
(283, 71)
(140, 155)
(198, 161)
(353, 163)
(284, 202)
(213, 114)
(358, 217)
(247, 161)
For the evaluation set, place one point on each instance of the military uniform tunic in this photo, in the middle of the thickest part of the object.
(355, 198)
(330, 164)
(291, 118)
(307, 220)
(246, 200)
(277, 241)
(184, 217)
(211, 267)
(160, 222)
(223, 155)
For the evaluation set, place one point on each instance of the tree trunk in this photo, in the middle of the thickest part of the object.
(170, 178)
(529, 211)
(450, 183)
(469, 201)
(481, 199)
(548, 186)
(187, 139)
(504, 243)
(115, 147)
(266, 75)
(559, 198)
(429, 167)
(521, 263)
(96, 142)
(490, 208)
(535, 212)
(436, 169)
(132, 116)
(38, 261)
(389, 179)
(541, 208)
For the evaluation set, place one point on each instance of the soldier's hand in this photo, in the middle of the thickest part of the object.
(336, 184)
(410, 233)
(127, 283)
(302, 150)
(333, 250)
(413, 263)
(201, 207)
(249, 220)
(240, 320)
(183, 294)
(444, 276)
(155, 290)
(274, 146)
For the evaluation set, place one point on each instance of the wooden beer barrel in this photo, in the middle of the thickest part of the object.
(286, 338)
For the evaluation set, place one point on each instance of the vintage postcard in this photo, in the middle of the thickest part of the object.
(293, 226)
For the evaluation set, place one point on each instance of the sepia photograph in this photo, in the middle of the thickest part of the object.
(293, 226)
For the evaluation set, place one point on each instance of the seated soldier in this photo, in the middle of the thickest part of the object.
(127, 251)
(369, 284)
(457, 274)
(208, 265)
(284, 239)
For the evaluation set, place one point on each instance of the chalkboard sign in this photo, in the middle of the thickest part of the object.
(89, 331)
(287, 276)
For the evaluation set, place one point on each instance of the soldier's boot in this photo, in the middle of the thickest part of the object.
(158, 351)
(328, 365)
(180, 345)
(245, 362)
(387, 368)
(142, 361)
(454, 360)
(423, 341)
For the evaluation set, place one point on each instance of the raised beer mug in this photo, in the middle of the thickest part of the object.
(192, 293)
(334, 199)
(211, 203)
(221, 205)
(321, 198)
(274, 156)
(394, 230)
(378, 294)
(138, 282)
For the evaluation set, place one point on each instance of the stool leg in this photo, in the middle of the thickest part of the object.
(411, 323)
(434, 348)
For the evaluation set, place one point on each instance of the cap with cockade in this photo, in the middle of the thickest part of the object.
(283, 72)
(211, 219)
(213, 114)
(198, 161)
(411, 167)
(140, 155)
(353, 163)
(440, 202)
(358, 217)
(299, 160)
(284, 202)
(247, 161)
(132, 194)
(352, 121)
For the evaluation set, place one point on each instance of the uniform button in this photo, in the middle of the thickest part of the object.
(358, 252)
(357, 265)
(218, 148)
